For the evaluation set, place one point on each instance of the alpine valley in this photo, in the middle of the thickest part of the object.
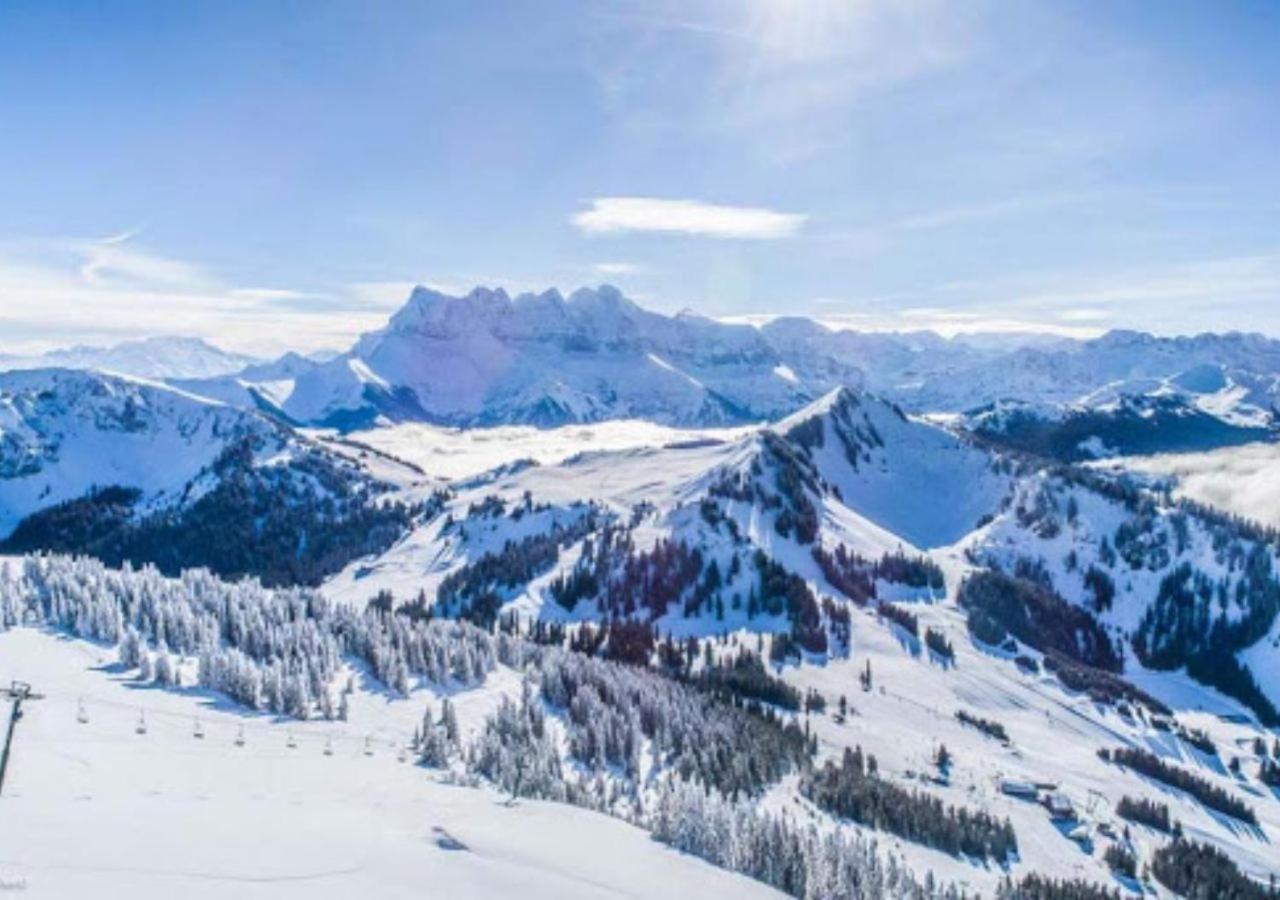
(562, 595)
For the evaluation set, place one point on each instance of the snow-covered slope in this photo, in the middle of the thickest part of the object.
(96, 809)
(912, 478)
(128, 469)
(849, 470)
(375, 820)
(1175, 587)
(155, 357)
(1113, 423)
(64, 432)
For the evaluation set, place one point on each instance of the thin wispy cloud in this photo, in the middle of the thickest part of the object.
(1228, 280)
(617, 269)
(116, 258)
(619, 215)
(58, 291)
(981, 212)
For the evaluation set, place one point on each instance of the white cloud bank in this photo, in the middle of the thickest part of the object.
(1240, 480)
(618, 215)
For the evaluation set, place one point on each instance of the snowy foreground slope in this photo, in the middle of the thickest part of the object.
(208, 817)
(96, 809)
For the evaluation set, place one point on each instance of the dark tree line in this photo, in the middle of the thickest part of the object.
(903, 618)
(1000, 605)
(475, 590)
(1186, 626)
(1146, 812)
(1199, 872)
(854, 790)
(1209, 794)
(784, 592)
(1269, 773)
(1104, 687)
(1120, 859)
(937, 642)
(1039, 887)
(855, 576)
(986, 726)
(745, 676)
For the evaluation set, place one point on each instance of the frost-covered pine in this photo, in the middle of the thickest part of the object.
(516, 752)
(277, 650)
(449, 722)
(165, 673)
(130, 649)
(434, 747)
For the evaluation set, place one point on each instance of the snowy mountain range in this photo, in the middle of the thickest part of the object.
(155, 357)
(487, 359)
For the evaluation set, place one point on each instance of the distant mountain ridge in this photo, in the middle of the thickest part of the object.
(487, 358)
(154, 357)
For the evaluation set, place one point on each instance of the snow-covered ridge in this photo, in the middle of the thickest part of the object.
(63, 432)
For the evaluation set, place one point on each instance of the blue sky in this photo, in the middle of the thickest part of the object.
(273, 175)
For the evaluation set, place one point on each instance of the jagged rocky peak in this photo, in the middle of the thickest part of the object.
(439, 314)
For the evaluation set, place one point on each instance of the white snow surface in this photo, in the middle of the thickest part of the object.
(96, 809)
(453, 453)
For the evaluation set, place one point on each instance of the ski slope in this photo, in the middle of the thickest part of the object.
(96, 809)
(1054, 737)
